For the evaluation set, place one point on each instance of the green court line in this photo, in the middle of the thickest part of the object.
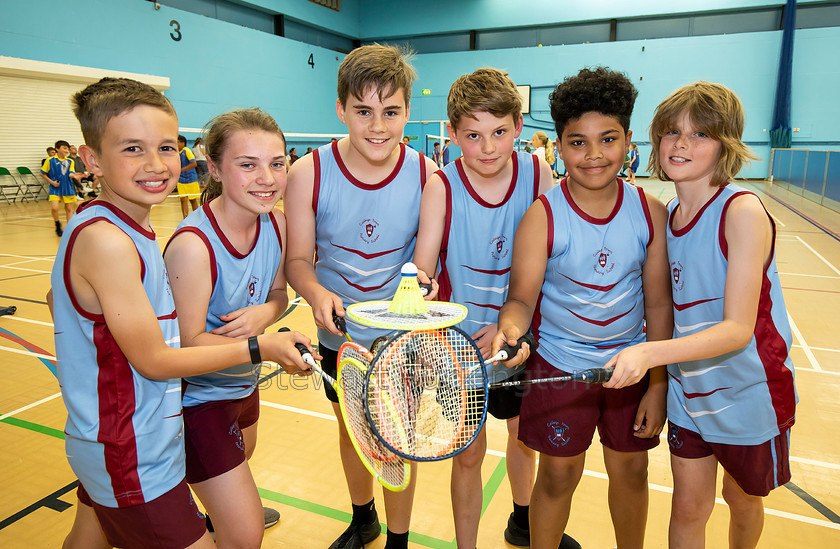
(488, 492)
(57, 433)
(493, 484)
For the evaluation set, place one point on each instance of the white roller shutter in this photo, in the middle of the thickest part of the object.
(35, 114)
(35, 108)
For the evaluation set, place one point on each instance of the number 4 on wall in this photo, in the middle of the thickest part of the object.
(311, 61)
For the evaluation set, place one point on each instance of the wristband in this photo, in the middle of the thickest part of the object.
(254, 349)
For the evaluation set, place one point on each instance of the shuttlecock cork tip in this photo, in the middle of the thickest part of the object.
(408, 300)
(409, 269)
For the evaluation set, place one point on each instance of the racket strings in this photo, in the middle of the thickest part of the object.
(389, 469)
(420, 401)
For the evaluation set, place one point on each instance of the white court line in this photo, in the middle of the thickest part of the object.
(807, 461)
(30, 321)
(777, 220)
(298, 410)
(810, 275)
(798, 335)
(18, 263)
(720, 501)
(24, 269)
(28, 353)
(821, 349)
(656, 487)
(824, 260)
(50, 258)
(19, 410)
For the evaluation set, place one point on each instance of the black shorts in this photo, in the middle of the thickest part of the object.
(329, 363)
(504, 402)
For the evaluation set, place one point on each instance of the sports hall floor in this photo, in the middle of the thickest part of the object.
(296, 463)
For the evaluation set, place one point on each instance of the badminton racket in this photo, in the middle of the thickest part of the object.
(390, 470)
(425, 396)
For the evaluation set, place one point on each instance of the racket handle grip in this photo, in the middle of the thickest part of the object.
(511, 351)
(596, 375)
(425, 289)
(304, 352)
(340, 322)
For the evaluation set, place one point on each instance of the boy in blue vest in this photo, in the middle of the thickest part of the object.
(353, 206)
(116, 333)
(468, 215)
(589, 274)
(58, 171)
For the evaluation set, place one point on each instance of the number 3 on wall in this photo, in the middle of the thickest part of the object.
(311, 61)
(176, 30)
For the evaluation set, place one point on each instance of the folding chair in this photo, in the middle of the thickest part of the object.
(9, 188)
(30, 181)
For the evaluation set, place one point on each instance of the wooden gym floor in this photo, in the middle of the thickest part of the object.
(296, 464)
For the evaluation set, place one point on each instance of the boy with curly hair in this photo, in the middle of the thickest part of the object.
(589, 271)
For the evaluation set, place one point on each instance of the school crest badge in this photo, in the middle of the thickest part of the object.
(368, 231)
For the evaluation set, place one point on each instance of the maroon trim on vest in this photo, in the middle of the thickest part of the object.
(696, 218)
(475, 196)
(214, 273)
(224, 239)
(585, 216)
(646, 209)
(316, 183)
(66, 267)
(368, 187)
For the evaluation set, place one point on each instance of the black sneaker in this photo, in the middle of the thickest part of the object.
(521, 537)
(357, 535)
(272, 517)
(58, 230)
(92, 194)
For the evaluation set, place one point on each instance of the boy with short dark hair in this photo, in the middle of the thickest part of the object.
(468, 216)
(58, 172)
(590, 273)
(353, 205)
(116, 333)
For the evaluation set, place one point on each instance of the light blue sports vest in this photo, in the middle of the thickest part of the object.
(238, 280)
(364, 233)
(747, 396)
(124, 432)
(477, 245)
(591, 304)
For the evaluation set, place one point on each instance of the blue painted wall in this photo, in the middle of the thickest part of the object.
(218, 66)
(747, 63)
(215, 67)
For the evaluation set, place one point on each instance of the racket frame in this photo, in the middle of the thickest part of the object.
(368, 456)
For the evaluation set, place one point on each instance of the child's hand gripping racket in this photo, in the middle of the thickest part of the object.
(390, 470)
(593, 375)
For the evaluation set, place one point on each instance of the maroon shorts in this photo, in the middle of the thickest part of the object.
(560, 420)
(171, 521)
(757, 469)
(213, 435)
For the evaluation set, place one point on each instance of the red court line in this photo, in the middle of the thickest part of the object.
(27, 345)
(811, 290)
